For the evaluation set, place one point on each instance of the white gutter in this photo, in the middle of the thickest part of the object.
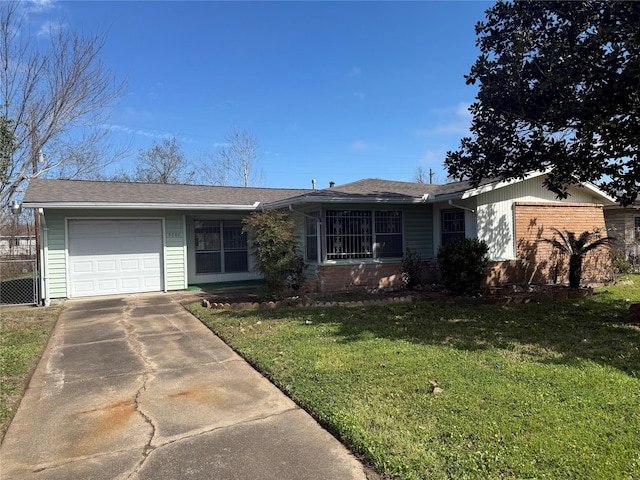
(44, 260)
(141, 206)
(450, 202)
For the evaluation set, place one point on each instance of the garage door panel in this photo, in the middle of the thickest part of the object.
(108, 266)
(149, 264)
(137, 228)
(131, 283)
(81, 267)
(83, 288)
(131, 264)
(114, 256)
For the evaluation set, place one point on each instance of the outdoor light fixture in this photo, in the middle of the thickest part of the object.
(15, 207)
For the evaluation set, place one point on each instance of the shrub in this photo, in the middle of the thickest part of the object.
(619, 261)
(577, 247)
(412, 269)
(462, 265)
(275, 247)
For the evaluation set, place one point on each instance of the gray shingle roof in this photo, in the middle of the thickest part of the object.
(376, 186)
(45, 191)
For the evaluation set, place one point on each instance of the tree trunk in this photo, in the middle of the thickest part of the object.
(575, 271)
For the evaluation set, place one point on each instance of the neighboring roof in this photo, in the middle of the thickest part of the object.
(375, 190)
(81, 194)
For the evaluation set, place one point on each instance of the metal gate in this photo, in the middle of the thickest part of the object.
(19, 281)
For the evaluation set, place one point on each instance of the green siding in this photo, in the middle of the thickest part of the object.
(174, 252)
(418, 230)
(417, 222)
(56, 260)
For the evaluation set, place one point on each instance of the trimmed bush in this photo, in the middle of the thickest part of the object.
(412, 269)
(462, 265)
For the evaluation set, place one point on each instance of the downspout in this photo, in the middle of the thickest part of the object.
(461, 207)
(44, 255)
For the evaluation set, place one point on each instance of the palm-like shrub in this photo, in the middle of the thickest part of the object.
(577, 248)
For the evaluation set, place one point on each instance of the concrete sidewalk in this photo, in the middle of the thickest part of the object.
(137, 388)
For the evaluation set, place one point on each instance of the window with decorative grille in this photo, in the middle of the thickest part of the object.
(452, 223)
(353, 234)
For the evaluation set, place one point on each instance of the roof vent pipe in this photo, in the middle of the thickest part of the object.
(331, 184)
(313, 183)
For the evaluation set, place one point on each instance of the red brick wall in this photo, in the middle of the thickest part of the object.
(364, 276)
(336, 278)
(539, 262)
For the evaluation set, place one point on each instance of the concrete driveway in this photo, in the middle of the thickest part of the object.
(136, 388)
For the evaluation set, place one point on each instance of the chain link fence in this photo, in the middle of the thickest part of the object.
(18, 280)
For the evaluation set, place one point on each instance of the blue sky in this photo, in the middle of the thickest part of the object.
(334, 91)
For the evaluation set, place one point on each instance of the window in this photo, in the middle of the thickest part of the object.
(311, 237)
(363, 234)
(637, 229)
(388, 234)
(452, 226)
(220, 246)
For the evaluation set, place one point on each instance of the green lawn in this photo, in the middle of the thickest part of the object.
(24, 332)
(528, 391)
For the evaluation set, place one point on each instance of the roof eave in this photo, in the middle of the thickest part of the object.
(139, 206)
(351, 200)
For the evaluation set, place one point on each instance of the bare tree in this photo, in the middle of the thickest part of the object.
(55, 98)
(420, 176)
(164, 163)
(235, 162)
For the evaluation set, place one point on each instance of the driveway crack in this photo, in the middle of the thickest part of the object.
(138, 347)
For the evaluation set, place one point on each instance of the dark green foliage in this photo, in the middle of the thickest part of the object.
(275, 247)
(412, 269)
(462, 265)
(577, 248)
(559, 85)
(620, 262)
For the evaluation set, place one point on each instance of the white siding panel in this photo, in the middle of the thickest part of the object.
(495, 214)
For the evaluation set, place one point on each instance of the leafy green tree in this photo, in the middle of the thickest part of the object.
(559, 91)
(275, 247)
(577, 248)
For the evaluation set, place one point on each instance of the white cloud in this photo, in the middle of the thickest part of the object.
(50, 28)
(455, 120)
(39, 5)
(140, 132)
(359, 95)
(354, 72)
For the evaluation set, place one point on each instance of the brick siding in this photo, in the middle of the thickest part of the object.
(539, 262)
(364, 276)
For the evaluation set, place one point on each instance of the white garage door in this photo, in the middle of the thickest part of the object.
(114, 257)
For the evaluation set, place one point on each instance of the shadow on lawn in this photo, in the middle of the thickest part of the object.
(563, 332)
